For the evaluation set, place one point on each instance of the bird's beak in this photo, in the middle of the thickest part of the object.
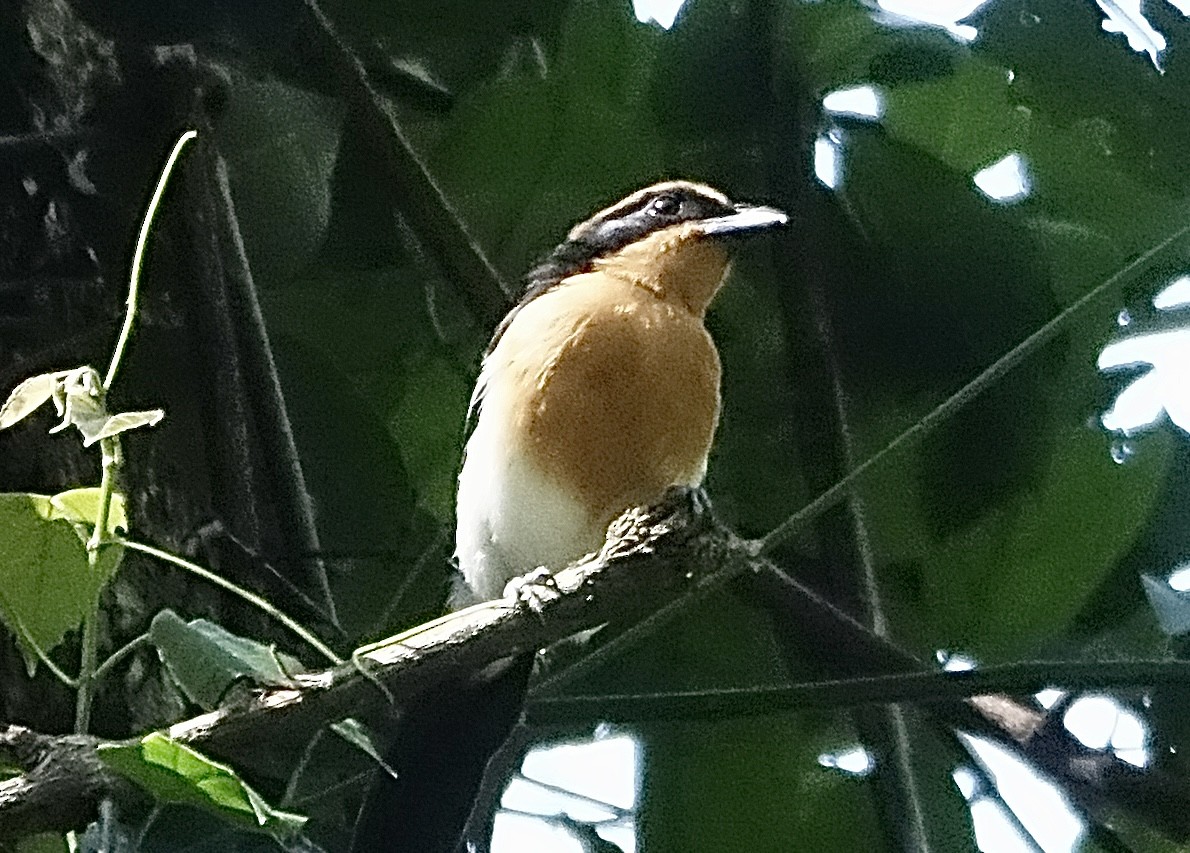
(746, 219)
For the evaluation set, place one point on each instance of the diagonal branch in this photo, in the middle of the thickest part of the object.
(830, 693)
(800, 520)
(653, 560)
(423, 202)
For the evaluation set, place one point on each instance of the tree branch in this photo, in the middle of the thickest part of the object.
(656, 563)
(62, 786)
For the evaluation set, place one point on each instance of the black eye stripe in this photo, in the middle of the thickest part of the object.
(618, 226)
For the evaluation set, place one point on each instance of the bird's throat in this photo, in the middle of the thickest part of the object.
(674, 265)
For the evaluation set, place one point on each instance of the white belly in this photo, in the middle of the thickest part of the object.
(512, 518)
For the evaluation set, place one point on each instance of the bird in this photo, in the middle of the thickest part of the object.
(599, 391)
(600, 388)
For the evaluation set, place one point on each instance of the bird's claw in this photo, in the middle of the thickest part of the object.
(535, 589)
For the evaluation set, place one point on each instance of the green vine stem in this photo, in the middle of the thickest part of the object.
(251, 597)
(138, 259)
(111, 456)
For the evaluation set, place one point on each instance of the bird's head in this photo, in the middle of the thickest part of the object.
(672, 238)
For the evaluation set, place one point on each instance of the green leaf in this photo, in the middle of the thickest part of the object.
(968, 119)
(531, 152)
(993, 532)
(123, 422)
(81, 506)
(80, 400)
(175, 773)
(29, 396)
(46, 584)
(78, 396)
(750, 461)
(206, 659)
(836, 45)
(282, 144)
(997, 581)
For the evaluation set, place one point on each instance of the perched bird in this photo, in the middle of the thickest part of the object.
(600, 389)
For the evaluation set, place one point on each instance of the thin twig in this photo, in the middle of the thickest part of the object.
(251, 597)
(138, 257)
(112, 457)
(119, 654)
(935, 686)
(960, 399)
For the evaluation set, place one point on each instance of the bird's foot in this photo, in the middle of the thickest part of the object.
(535, 589)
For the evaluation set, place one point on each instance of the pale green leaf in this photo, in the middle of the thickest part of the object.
(29, 396)
(175, 773)
(81, 506)
(46, 582)
(123, 422)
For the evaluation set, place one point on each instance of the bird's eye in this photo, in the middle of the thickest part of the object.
(666, 205)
